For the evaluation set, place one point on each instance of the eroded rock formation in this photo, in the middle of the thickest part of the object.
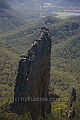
(32, 81)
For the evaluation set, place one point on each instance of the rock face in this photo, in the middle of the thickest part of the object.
(32, 81)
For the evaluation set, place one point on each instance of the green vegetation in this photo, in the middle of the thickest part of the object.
(65, 68)
(65, 65)
(9, 62)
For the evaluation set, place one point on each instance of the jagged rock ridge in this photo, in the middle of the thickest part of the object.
(32, 81)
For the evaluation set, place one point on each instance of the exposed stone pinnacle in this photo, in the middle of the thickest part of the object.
(32, 81)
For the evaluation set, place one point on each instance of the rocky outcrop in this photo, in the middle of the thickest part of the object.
(32, 81)
(71, 111)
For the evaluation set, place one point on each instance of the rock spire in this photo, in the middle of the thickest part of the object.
(32, 81)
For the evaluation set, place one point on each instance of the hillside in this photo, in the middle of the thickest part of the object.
(8, 18)
(66, 49)
(25, 35)
(8, 63)
(65, 69)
